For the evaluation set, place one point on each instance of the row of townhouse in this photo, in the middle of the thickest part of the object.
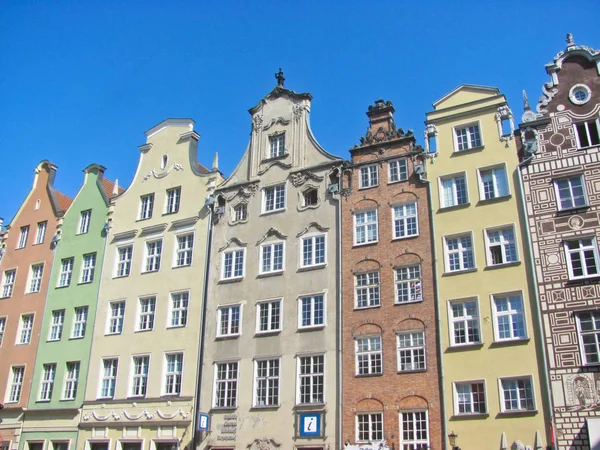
(409, 297)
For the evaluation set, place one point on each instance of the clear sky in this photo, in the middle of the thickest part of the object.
(80, 81)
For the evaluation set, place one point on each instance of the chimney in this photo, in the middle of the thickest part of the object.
(381, 115)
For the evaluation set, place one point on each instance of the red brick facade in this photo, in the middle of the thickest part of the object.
(395, 391)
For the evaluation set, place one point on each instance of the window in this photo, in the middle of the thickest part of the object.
(367, 289)
(501, 247)
(233, 264)
(454, 191)
(8, 282)
(66, 272)
(183, 253)
(493, 183)
(88, 267)
(414, 430)
(115, 321)
(516, 394)
(173, 373)
(226, 382)
(509, 317)
(146, 310)
(229, 321)
(41, 232)
(26, 329)
(71, 380)
(274, 198)
(365, 227)
(582, 258)
(240, 212)
(268, 316)
(146, 206)
(84, 221)
(579, 94)
(368, 356)
(271, 257)
(266, 382)
(60, 445)
(47, 383)
(469, 398)
(398, 170)
(587, 133)
(173, 198)
(109, 377)
(153, 254)
(464, 326)
(312, 310)
(369, 176)
(467, 137)
(411, 351)
(459, 254)
(408, 284)
(313, 251)
(139, 377)
(35, 280)
(16, 384)
(589, 335)
(2, 328)
(570, 192)
(23, 237)
(80, 322)
(277, 144)
(179, 309)
(124, 256)
(311, 379)
(310, 197)
(369, 427)
(56, 327)
(405, 221)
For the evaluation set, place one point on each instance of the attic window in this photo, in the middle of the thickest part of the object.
(37, 204)
(164, 161)
(311, 197)
(240, 212)
(579, 94)
(277, 145)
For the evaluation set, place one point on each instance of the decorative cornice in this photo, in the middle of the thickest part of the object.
(181, 223)
(299, 178)
(159, 175)
(153, 229)
(274, 163)
(235, 241)
(117, 415)
(276, 121)
(314, 225)
(125, 235)
(272, 232)
(382, 135)
(263, 444)
(246, 191)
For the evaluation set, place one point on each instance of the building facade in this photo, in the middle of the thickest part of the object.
(142, 379)
(390, 375)
(61, 367)
(558, 147)
(269, 374)
(494, 387)
(25, 271)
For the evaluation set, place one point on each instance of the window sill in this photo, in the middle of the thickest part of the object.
(464, 347)
(364, 244)
(397, 181)
(42, 401)
(458, 272)
(266, 407)
(266, 333)
(313, 267)
(454, 207)
(112, 334)
(356, 308)
(181, 266)
(315, 405)
(474, 416)
(397, 303)
(75, 338)
(223, 408)
(509, 342)
(270, 274)
(230, 280)
(81, 233)
(37, 243)
(175, 327)
(169, 213)
(468, 150)
(364, 188)
(310, 328)
(405, 237)
(84, 282)
(149, 271)
(227, 337)
(275, 158)
(143, 331)
(367, 375)
(503, 265)
(275, 211)
(143, 219)
(519, 413)
(575, 209)
(52, 340)
(22, 343)
(62, 287)
(116, 277)
(403, 372)
(574, 281)
(499, 199)
(2, 298)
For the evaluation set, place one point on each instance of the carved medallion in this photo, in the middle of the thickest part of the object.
(576, 222)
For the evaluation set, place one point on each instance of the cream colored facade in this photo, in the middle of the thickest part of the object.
(276, 202)
(144, 359)
(493, 377)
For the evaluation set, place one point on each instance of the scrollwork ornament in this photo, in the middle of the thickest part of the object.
(257, 122)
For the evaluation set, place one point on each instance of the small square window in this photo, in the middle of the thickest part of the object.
(467, 137)
(571, 192)
(453, 191)
(369, 176)
(233, 264)
(582, 258)
(469, 398)
(274, 198)
(398, 170)
(516, 394)
(493, 183)
(272, 257)
(369, 427)
(313, 251)
(311, 197)
(229, 321)
(240, 212)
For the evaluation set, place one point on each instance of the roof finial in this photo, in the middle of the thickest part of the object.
(570, 40)
(215, 164)
(526, 106)
(280, 78)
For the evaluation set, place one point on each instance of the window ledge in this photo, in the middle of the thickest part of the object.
(501, 266)
(368, 375)
(405, 372)
(116, 277)
(175, 327)
(575, 281)
(368, 187)
(112, 334)
(52, 340)
(397, 181)
(227, 337)
(275, 273)
(454, 207)
(464, 347)
(149, 271)
(474, 416)
(223, 408)
(310, 328)
(499, 199)
(143, 331)
(468, 150)
(2, 298)
(266, 333)
(519, 413)
(509, 342)
(145, 218)
(266, 407)
(230, 280)
(574, 210)
(364, 308)
(319, 405)
(458, 272)
(181, 266)
(314, 267)
(364, 244)
(84, 282)
(169, 213)
(589, 147)
(397, 303)
(60, 287)
(42, 401)
(275, 158)
(275, 211)
(401, 238)
(76, 338)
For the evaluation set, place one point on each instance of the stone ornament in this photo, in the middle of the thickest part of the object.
(159, 175)
(299, 178)
(129, 416)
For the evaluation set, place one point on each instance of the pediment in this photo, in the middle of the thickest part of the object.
(312, 226)
(233, 242)
(270, 233)
(465, 93)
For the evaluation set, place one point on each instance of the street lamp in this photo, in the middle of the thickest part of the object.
(452, 439)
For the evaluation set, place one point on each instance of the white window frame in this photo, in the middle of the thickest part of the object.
(146, 313)
(15, 384)
(504, 245)
(267, 265)
(2, 328)
(511, 314)
(277, 145)
(84, 221)
(413, 443)
(240, 212)
(370, 419)
(405, 221)
(115, 321)
(572, 197)
(25, 331)
(371, 355)
(415, 351)
(23, 235)
(146, 206)
(56, 325)
(367, 225)
(172, 200)
(368, 177)
(311, 300)
(35, 278)
(587, 131)
(88, 267)
(581, 251)
(309, 248)
(267, 384)
(179, 309)
(372, 287)
(123, 265)
(472, 400)
(401, 170)
(408, 284)
(455, 197)
(140, 372)
(231, 388)
(110, 380)
(466, 320)
(66, 272)
(315, 379)
(496, 183)
(277, 193)
(274, 316)
(519, 398)
(236, 254)
(593, 332)
(8, 282)
(80, 317)
(173, 373)
(40, 234)
(152, 255)
(462, 252)
(471, 140)
(73, 369)
(184, 250)
(230, 331)
(48, 376)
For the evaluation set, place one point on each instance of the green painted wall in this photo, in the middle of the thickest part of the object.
(77, 294)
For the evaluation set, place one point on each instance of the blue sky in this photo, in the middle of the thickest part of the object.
(80, 82)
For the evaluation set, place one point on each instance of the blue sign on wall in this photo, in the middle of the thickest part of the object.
(310, 424)
(203, 422)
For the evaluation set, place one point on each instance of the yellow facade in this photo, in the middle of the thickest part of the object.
(493, 374)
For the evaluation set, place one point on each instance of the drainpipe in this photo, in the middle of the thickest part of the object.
(338, 308)
(536, 306)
